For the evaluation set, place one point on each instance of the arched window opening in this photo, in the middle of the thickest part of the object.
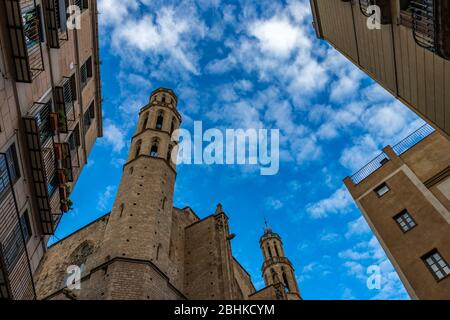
(169, 153)
(274, 276)
(163, 98)
(154, 149)
(144, 124)
(286, 283)
(160, 120)
(276, 249)
(270, 251)
(138, 148)
(172, 126)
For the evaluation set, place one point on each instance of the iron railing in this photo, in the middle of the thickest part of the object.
(16, 280)
(413, 139)
(424, 23)
(24, 27)
(399, 149)
(370, 168)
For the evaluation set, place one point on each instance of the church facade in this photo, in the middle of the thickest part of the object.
(147, 249)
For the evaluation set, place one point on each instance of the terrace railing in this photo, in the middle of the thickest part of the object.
(399, 149)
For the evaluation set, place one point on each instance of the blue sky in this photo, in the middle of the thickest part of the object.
(247, 64)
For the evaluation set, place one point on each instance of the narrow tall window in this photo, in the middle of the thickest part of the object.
(163, 99)
(286, 283)
(382, 190)
(138, 148)
(26, 226)
(157, 250)
(144, 124)
(86, 72)
(154, 149)
(172, 126)
(276, 249)
(270, 251)
(164, 202)
(13, 165)
(160, 120)
(436, 264)
(169, 153)
(405, 221)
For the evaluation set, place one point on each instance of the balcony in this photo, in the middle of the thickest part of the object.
(430, 24)
(15, 272)
(56, 17)
(64, 104)
(51, 164)
(400, 148)
(24, 28)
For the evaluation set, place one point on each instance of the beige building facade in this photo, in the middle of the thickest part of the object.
(50, 117)
(404, 194)
(409, 55)
(147, 249)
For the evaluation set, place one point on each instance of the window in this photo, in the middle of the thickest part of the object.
(285, 281)
(82, 4)
(13, 248)
(382, 190)
(405, 221)
(154, 149)
(169, 153)
(276, 249)
(172, 126)
(70, 90)
(270, 251)
(436, 264)
(74, 139)
(144, 124)
(160, 120)
(138, 148)
(26, 226)
(88, 116)
(11, 160)
(86, 72)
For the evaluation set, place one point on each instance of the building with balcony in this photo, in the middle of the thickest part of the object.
(50, 117)
(404, 194)
(409, 55)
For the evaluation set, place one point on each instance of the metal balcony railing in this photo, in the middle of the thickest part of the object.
(370, 168)
(431, 25)
(24, 28)
(399, 149)
(413, 139)
(16, 281)
(40, 130)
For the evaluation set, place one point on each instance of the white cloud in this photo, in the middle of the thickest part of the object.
(275, 204)
(113, 136)
(104, 198)
(357, 227)
(276, 36)
(338, 203)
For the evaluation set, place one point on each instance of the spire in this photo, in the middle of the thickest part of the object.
(267, 228)
(219, 209)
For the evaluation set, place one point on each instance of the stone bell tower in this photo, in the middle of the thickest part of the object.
(276, 267)
(139, 229)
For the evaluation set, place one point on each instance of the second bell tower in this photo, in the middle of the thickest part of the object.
(276, 267)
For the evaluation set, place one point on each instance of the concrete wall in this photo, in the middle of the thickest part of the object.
(408, 178)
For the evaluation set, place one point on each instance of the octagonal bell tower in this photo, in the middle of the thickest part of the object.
(138, 234)
(276, 267)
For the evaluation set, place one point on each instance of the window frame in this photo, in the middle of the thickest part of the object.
(380, 187)
(430, 255)
(401, 215)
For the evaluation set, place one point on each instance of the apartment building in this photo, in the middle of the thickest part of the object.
(50, 104)
(409, 55)
(404, 194)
